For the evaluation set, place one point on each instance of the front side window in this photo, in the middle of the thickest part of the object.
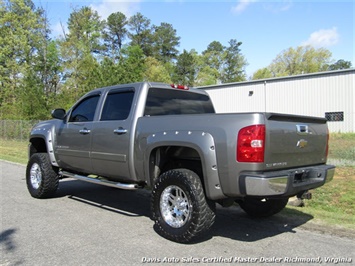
(176, 102)
(117, 106)
(85, 110)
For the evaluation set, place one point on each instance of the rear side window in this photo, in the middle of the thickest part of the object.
(117, 106)
(176, 102)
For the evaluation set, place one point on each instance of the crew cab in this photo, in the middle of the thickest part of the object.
(167, 138)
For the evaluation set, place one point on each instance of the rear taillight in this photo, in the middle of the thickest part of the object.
(251, 144)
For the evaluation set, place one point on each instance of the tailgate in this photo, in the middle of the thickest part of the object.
(293, 141)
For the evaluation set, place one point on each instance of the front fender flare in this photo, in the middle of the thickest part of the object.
(46, 134)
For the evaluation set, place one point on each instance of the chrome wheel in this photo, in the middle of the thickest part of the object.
(175, 206)
(180, 209)
(35, 176)
(41, 177)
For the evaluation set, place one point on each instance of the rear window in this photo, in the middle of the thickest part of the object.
(176, 102)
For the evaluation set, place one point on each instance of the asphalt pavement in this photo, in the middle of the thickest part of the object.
(88, 224)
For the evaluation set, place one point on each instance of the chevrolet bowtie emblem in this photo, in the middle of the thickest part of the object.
(302, 143)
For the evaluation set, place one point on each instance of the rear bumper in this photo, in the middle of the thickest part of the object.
(285, 183)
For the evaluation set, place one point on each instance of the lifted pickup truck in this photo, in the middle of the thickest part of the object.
(169, 139)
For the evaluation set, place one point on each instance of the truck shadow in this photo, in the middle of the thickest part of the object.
(129, 203)
(230, 222)
(234, 223)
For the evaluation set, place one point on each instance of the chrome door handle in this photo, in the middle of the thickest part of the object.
(120, 131)
(84, 131)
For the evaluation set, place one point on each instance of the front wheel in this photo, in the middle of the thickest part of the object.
(41, 178)
(264, 207)
(179, 207)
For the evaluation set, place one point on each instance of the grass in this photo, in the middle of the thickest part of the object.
(332, 204)
(342, 149)
(14, 151)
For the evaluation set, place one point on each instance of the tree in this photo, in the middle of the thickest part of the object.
(233, 63)
(165, 42)
(213, 55)
(303, 59)
(79, 50)
(340, 64)
(185, 69)
(141, 33)
(132, 64)
(204, 74)
(25, 55)
(85, 27)
(225, 64)
(111, 72)
(115, 32)
(262, 73)
(155, 71)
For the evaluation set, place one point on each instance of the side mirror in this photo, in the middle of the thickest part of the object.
(58, 113)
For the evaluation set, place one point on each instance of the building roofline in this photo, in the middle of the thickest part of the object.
(333, 72)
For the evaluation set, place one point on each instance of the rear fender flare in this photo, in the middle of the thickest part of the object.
(200, 141)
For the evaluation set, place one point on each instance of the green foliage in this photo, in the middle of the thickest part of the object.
(132, 64)
(228, 61)
(234, 63)
(296, 61)
(206, 76)
(340, 64)
(115, 33)
(27, 57)
(184, 69)
(262, 73)
(141, 33)
(165, 43)
(303, 59)
(155, 71)
(85, 27)
(212, 64)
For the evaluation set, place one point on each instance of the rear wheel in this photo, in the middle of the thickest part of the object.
(179, 207)
(41, 178)
(264, 207)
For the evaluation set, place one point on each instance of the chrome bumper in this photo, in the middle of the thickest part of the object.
(286, 183)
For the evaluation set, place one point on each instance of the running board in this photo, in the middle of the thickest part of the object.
(101, 181)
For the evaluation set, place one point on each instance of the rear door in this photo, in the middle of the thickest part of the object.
(293, 141)
(111, 135)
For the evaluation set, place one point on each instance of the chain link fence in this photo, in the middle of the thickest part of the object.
(16, 129)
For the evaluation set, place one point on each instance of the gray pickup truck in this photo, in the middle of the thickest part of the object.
(168, 138)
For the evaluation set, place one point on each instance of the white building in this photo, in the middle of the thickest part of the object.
(325, 94)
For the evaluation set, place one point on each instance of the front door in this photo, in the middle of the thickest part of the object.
(74, 136)
(111, 136)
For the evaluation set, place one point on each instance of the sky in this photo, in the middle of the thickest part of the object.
(265, 28)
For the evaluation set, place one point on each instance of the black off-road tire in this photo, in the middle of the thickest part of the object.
(179, 207)
(41, 177)
(260, 208)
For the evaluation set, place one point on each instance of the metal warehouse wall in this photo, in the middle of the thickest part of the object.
(319, 94)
